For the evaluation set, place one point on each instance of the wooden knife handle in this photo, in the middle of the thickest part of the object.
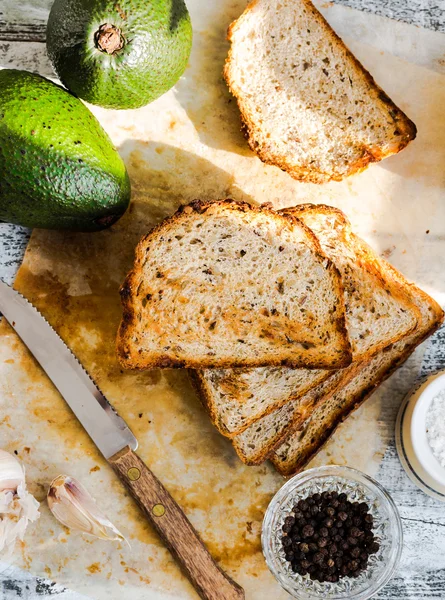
(172, 525)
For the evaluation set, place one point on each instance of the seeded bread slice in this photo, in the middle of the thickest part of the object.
(226, 284)
(378, 312)
(301, 446)
(237, 398)
(255, 444)
(307, 104)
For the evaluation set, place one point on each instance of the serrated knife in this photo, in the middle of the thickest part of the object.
(117, 443)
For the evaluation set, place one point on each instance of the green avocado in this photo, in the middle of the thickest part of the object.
(119, 53)
(58, 167)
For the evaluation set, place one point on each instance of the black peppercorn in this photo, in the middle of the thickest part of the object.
(313, 547)
(355, 532)
(327, 537)
(307, 531)
(333, 549)
(352, 541)
(287, 541)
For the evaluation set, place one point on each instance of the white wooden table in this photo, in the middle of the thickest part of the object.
(422, 572)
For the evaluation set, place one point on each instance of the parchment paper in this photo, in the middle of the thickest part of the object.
(184, 146)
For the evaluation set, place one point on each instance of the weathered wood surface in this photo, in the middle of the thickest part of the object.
(422, 572)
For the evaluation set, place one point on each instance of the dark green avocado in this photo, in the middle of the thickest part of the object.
(119, 53)
(58, 167)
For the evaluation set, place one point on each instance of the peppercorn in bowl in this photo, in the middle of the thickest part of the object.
(332, 532)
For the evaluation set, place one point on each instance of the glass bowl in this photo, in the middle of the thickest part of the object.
(359, 488)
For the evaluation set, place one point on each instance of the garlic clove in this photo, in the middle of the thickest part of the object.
(17, 506)
(75, 508)
(11, 472)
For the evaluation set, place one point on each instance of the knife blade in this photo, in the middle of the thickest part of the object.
(105, 427)
(116, 442)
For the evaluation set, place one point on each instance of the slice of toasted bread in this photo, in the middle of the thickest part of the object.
(226, 284)
(307, 104)
(255, 444)
(378, 312)
(302, 445)
(237, 398)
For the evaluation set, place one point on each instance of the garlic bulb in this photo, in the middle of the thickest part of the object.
(17, 506)
(75, 508)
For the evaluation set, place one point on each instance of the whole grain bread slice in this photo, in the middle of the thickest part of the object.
(235, 398)
(307, 104)
(256, 443)
(302, 445)
(227, 284)
(378, 312)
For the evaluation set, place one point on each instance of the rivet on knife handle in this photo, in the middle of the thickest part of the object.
(172, 525)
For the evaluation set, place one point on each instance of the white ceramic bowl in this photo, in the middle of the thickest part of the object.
(415, 453)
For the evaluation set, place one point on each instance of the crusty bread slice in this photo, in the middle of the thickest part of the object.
(237, 398)
(255, 444)
(303, 444)
(307, 104)
(378, 312)
(226, 284)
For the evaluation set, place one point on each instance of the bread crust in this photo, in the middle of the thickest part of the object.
(129, 358)
(369, 154)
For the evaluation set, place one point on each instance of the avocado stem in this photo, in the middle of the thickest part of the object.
(109, 39)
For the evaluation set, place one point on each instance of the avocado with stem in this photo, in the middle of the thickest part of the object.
(119, 53)
(58, 167)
